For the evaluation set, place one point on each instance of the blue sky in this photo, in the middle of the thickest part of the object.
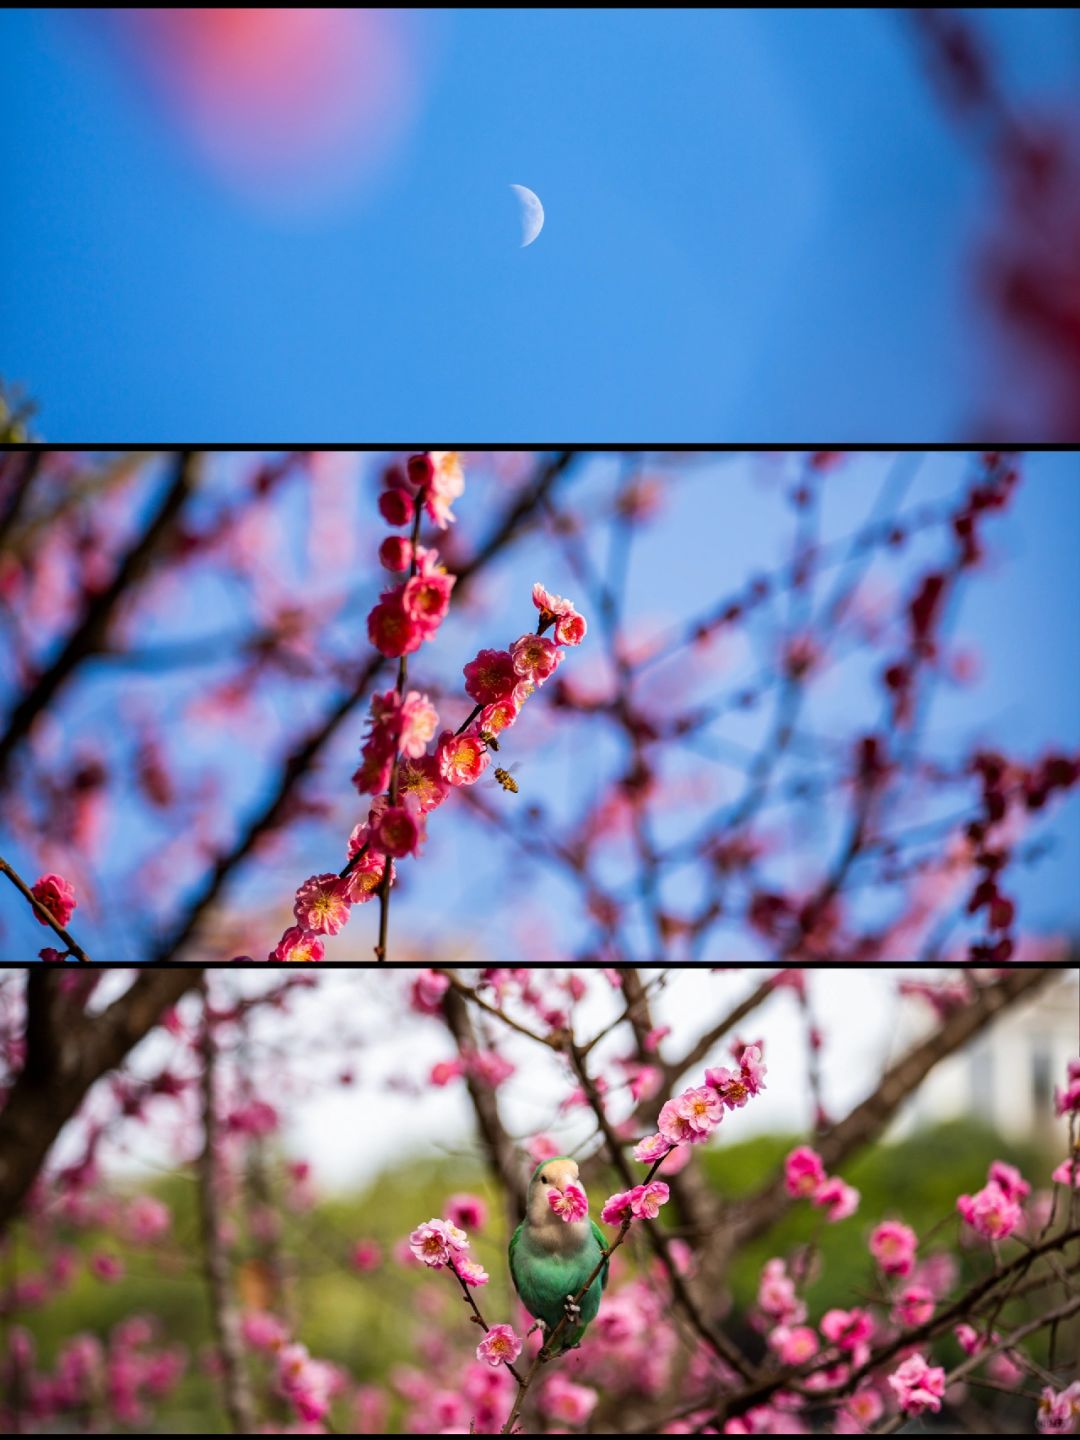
(723, 522)
(756, 229)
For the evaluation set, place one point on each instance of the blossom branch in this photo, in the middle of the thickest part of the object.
(73, 947)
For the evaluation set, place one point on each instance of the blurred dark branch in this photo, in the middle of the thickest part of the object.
(234, 1381)
(90, 633)
(68, 1051)
(18, 477)
(308, 750)
(501, 1150)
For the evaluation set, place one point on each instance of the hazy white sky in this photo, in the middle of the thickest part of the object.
(360, 1019)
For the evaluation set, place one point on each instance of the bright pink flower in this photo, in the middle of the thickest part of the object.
(468, 1211)
(803, 1171)
(893, 1246)
(305, 1382)
(918, 1385)
(443, 1071)
(571, 1204)
(862, 1409)
(489, 1067)
(1058, 1412)
(1067, 1100)
(549, 604)
(500, 1346)
(426, 599)
(298, 944)
(645, 1200)
(653, 1147)
(462, 758)
(847, 1328)
(372, 775)
(391, 629)
(147, 1219)
(395, 553)
(55, 894)
(396, 506)
(990, 1212)
(472, 1272)
(420, 777)
(839, 1199)
(794, 1345)
(109, 1268)
(753, 1070)
(692, 1116)
(542, 1147)
(616, 1208)
(570, 629)
(444, 485)
(1068, 1172)
(437, 1242)
(969, 1338)
(498, 716)
(419, 722)
(563, 1400)
(399, 829)
(425, 997)
(366, 1256)
(776, 1294)
(914, 1306)
(1010, 1180)
(366, 877)
(322, 904)
(535, 658)
(262, 1331)
(490, 677)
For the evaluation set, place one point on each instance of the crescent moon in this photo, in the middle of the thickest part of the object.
(532, 214)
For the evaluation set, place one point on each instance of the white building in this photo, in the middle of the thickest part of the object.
(1006, 1077)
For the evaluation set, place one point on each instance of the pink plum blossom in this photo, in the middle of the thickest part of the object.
(420, 777)
(425, 599)
(471, 1271)
(616, 1208)
(425, 997)
(1068, 1172)
(893, 1246)
(692, 1116)
(55, 895)
(653, 1147)
(563, 1400)
(391, 629)
(794, 1345)
(395, 553)
(913, 1306)
(500, 1346)
(847, 1328)
(437, 1242)
(304, 1381)
(918, 1385)
(549, 604)
(535, 658)
(399, 829)
(1059, 1411)
(322, 904)
(571, 1204)
(396, 506)
(490, 677)
(836, 1197)
(445, 483)
(147, 1219)
(298, 945)
(365, 879)
(645, 1200)
(990, 1212)
(570, 629)
(419, 722)
(1010, 1180)
(776, 1294)
(803, 1171)
(462, 758)
(468, 1211)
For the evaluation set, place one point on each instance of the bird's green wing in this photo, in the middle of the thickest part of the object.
(601, 1240)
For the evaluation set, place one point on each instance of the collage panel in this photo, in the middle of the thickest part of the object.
(566, 1200)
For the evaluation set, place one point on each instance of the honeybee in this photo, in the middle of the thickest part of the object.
(489, 739)
(506, 780)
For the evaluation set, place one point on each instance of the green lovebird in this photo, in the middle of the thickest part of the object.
(551, 1258)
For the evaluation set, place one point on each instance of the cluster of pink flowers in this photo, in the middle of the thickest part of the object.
(55, 895)
(441, 1243)
(690, 1118)
(996, 1210)
(893, 1245)
(641, 1203)
(918, 1385)
(805, 1178)
(1067, 1101)
(307, 1384)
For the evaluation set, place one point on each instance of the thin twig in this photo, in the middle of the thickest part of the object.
(73, 947)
